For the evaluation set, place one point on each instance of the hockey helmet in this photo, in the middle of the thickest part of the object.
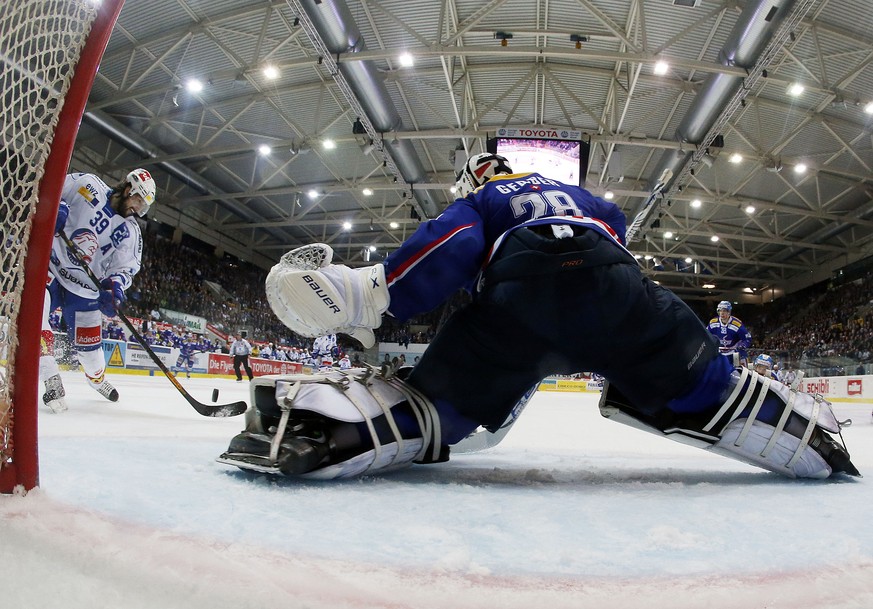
(724, 305)
(478, 169)
(142, 184)
(764, 360)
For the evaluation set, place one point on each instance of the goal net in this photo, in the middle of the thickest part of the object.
(49, 52)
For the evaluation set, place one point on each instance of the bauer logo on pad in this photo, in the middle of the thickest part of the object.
(327, 300)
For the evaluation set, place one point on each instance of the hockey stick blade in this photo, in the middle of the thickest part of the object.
(648, 207)
(223, 410)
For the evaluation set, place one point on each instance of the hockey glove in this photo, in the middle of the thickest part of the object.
(63, 213)
(111, 296)
(314, 297)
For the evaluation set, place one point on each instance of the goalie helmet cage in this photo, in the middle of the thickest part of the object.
(49, 53)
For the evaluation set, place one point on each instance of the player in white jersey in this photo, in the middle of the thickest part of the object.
(101, 222)
(323, 348)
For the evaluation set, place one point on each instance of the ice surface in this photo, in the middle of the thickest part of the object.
(570, 510)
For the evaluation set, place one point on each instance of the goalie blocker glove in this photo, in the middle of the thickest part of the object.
(761, 422)
(314, 297)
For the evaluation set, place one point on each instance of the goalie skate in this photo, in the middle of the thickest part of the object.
(252, 451)
(796, 442)
(333, 425)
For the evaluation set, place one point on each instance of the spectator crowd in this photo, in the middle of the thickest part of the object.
(822, 321)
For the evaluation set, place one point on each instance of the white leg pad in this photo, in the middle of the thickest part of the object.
(358, 398)
(387, 460)
(748, 439)
(780, 458)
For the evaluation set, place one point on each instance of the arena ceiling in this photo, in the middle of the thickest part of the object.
(237, 159)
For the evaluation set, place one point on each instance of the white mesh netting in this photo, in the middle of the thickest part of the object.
(40, 45)
(308, 257)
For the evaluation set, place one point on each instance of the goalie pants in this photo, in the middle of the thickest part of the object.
(562, 306)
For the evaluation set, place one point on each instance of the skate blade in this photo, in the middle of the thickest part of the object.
(850, 470)
(56, 406)
(249, 462)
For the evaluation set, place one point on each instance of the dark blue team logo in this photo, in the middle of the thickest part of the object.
(564, 134)
(121, 233)
(86, 242)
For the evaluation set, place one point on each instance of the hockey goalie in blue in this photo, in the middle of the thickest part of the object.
(551, 278)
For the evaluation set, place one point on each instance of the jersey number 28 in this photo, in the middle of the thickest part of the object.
(548, 203)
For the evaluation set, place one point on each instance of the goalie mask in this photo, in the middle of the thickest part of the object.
(478, 169)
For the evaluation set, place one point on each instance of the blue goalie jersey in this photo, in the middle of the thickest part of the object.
(422, 273)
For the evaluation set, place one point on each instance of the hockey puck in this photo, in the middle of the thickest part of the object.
(215, 395)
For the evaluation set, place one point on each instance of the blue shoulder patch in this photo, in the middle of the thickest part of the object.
(121, 233)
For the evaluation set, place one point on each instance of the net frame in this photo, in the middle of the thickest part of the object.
(19, 391)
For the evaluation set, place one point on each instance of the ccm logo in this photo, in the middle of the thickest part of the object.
(327, 300)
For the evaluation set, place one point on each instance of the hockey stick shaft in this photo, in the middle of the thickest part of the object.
(648, 207)
(226, 410)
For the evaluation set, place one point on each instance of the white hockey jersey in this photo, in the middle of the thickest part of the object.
(112, 245)
(323, 346)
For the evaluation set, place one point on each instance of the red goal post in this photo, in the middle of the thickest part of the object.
(49, 53)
